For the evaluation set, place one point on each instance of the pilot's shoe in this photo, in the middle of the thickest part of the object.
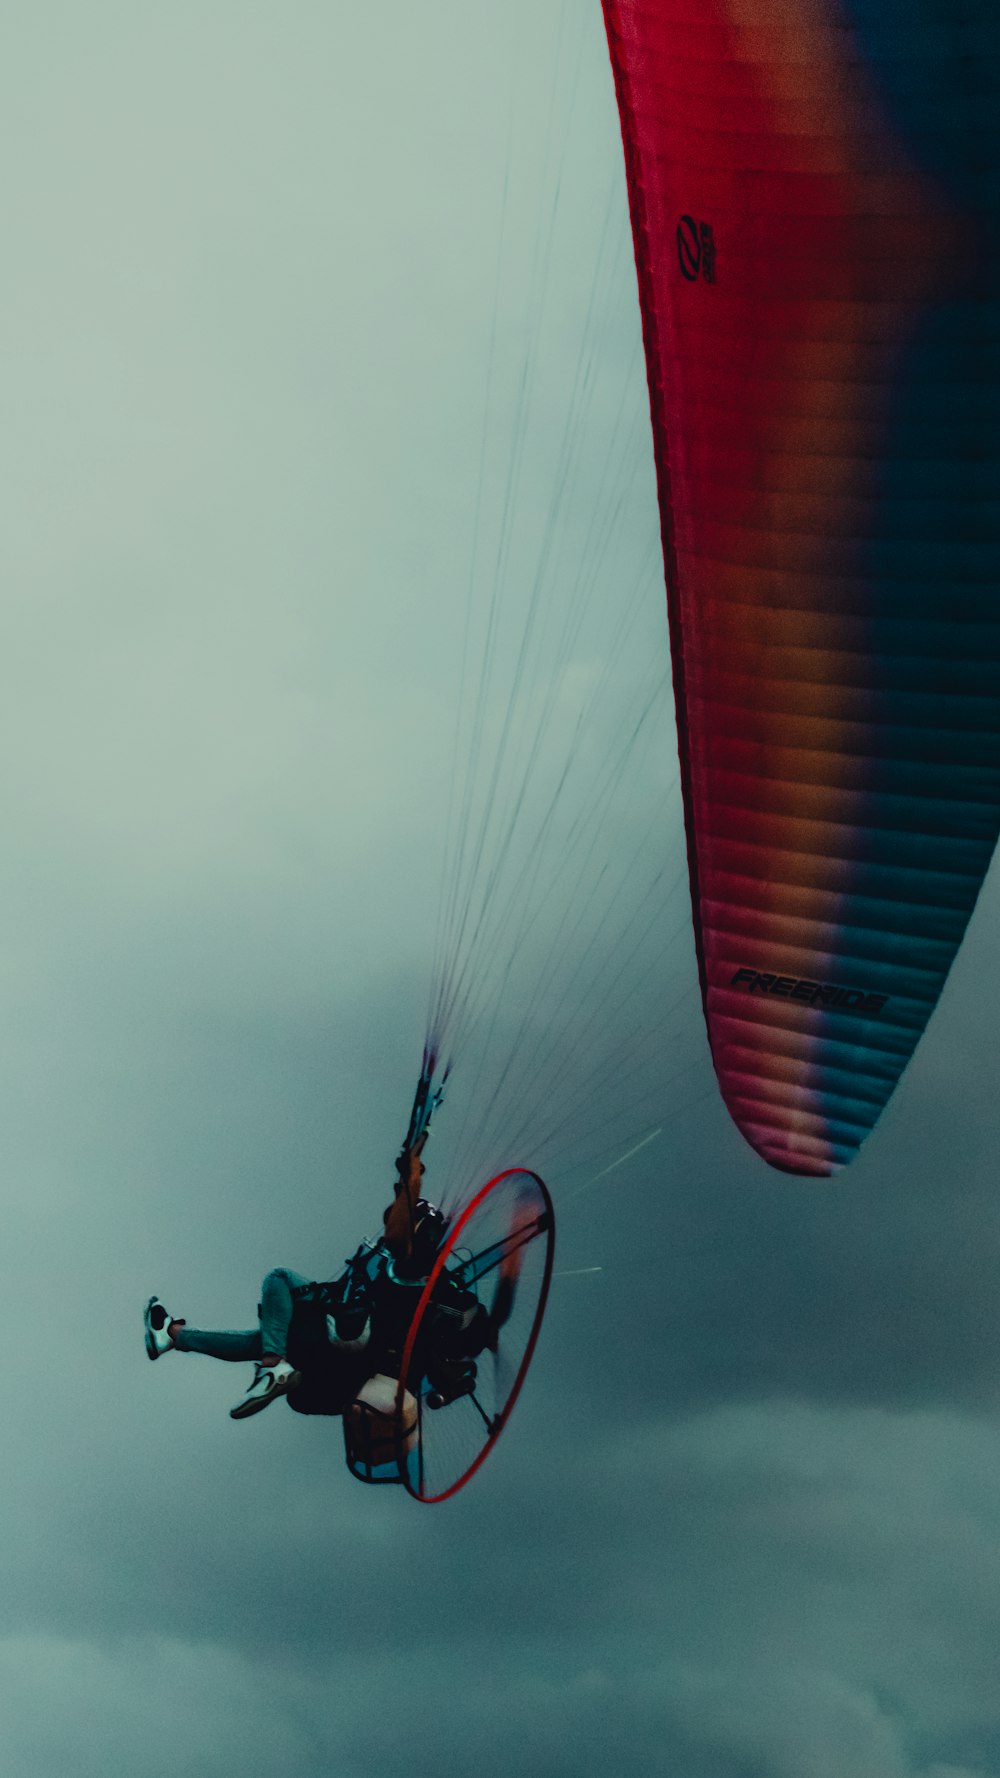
(269, 1381)
(156, 1321)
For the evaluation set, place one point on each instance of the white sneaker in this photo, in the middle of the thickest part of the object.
(269, 1381)
(156, 1320)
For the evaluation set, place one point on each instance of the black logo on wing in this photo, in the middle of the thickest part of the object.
(689, 248)
(696, 250)
(824, 996)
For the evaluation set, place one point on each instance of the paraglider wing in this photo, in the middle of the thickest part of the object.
(815, 197)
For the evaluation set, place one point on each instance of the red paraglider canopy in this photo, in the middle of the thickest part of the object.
(815, 204)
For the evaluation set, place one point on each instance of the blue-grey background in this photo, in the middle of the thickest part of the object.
(745, 1523)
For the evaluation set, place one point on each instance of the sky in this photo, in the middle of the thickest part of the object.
(320, 325)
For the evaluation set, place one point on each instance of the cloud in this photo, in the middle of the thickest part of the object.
(154, 1705)
(773, 1588)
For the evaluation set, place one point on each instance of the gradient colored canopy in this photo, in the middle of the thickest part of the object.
(815, 198)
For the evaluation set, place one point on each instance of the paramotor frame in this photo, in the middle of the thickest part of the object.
(506, 1231)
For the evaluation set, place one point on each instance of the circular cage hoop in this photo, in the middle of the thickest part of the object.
(463, 1235)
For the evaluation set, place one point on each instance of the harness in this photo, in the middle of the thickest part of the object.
(345, 1328)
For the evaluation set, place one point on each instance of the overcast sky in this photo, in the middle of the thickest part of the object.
(745, 1522)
